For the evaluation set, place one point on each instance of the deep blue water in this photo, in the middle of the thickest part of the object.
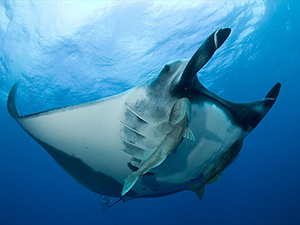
(65, 53)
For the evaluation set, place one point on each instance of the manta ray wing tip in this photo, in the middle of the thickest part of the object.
(273, 93)
(11, 102)
(220, 36)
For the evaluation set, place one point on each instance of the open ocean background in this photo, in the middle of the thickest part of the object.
(70, 52)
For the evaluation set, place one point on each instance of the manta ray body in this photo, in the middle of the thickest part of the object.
(100, 143)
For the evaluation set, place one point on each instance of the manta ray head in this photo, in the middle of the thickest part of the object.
(170, 76)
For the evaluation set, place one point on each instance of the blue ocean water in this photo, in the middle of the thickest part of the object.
(69, 52)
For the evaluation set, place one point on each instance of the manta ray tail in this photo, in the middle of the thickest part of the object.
(129, 182)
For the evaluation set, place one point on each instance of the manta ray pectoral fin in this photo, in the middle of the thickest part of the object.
(188, 134)
(198, 189)
(273, 93)
(129, 182)
(246, 115)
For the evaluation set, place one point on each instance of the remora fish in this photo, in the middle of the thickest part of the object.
(100, 143)
(214, 173)
(176, 129)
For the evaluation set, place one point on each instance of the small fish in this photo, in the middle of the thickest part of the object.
(175, 129)
(214, 173)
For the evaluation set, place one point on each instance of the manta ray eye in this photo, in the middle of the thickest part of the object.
(166, 68)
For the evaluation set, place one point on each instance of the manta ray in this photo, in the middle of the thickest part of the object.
(100, 143)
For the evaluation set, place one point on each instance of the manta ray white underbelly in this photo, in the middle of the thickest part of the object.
(100, 143)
